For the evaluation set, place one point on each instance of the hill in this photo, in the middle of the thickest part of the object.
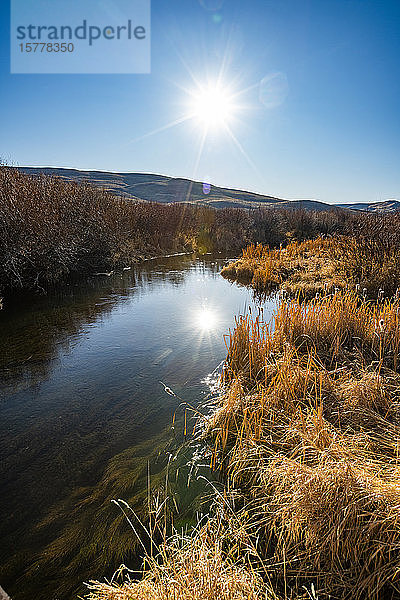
(377, 207)
(163, 189)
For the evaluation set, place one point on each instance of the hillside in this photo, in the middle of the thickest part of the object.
(163, 189)
(158, 188)
(385, 206)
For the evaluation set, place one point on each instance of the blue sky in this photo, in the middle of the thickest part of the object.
(334, 135)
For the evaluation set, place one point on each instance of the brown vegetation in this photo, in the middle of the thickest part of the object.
(188, 568)
(309, 432)
(305, 267)
(51, 228)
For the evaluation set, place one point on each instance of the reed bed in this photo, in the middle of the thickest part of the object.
(371, 255)
(52, 228)
(363, 256)
(309, 430)
(303, 268)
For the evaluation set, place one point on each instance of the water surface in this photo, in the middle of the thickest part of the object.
(85, 416)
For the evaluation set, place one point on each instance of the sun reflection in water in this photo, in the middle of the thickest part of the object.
(206, 319)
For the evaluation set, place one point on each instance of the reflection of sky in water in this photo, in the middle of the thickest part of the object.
(83, 372)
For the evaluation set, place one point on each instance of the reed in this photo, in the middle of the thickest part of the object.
(188, 568)
(52, 228)
(306, 438)
(363, 255)
(308, 430)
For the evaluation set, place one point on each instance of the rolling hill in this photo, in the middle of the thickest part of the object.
(164, 189)
(377, 207)
(160, 188)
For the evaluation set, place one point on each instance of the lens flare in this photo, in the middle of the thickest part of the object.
(274, 89)
(212, 4)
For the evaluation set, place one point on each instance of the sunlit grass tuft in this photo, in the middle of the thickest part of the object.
(303, 268)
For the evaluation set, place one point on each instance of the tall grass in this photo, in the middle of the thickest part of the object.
(51, 228)
(363, 254)
(189, 567)
(371, 258)
(306, 437)
(309, 431)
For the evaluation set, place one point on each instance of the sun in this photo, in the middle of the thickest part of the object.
(213, 106)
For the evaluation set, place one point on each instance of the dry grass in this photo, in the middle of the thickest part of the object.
(51, 228)
(304, 268)
(366, 259)
(188, 568)
(371, 256)
(306, 436)
(309, 431)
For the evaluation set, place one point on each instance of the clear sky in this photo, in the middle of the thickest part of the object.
(317, 93)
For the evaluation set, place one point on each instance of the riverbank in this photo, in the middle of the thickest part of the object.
(304, 268)
(306, 438)
(54, 230)
(86, 417)
(368, 263)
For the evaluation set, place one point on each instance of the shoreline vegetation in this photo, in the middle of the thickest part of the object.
(305, 436)
(52, 229)
(365, 260)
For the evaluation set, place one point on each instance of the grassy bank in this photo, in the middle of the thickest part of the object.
(309, 433)
(306, 437)
(304, 268)
(367, 259)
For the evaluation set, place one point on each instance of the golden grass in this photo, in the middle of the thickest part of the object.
(188, 568)
(367, 261)
(309, 431)
(304, 268)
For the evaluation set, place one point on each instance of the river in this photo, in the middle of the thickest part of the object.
(86, 417)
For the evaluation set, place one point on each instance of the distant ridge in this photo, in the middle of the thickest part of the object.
(159, 188)
(383, 207)
(164, 189)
